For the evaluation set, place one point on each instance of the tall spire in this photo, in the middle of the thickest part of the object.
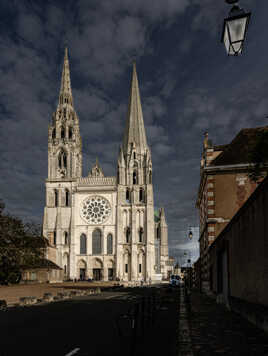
(135, 131)
(65, 89)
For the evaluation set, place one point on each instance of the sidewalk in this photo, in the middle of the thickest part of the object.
(214, 330)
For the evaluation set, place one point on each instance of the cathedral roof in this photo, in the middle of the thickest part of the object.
(135, 131)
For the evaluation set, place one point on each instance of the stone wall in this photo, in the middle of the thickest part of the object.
(245, 242)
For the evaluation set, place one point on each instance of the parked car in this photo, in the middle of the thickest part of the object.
(175, 280)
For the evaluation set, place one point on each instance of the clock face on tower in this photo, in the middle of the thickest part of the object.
(95, 210)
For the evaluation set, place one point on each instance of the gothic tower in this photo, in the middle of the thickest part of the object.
(135, 226)
(64, 166)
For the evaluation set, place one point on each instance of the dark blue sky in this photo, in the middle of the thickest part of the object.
(188, 85)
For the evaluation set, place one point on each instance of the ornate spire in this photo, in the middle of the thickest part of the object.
(135, 131)
(65, 89)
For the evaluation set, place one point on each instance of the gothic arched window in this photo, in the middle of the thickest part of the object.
(141, 235)
(135, 177)
(56, 196)
(62, 132)
(62, 159)
(110, 244)
(96, 242)
(70, 132)
(141, 195)
(83, 244)
(127, 235)
(54, 133)
(158, 232)
(67, 197)
(65, 238)
(128, 195)
(54, 237)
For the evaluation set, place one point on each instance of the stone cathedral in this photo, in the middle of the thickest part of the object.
(101, 227)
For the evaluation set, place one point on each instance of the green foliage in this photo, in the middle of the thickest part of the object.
(20, 245)
(259, 157)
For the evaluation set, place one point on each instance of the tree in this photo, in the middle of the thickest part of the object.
(20, 245)
(259, 157)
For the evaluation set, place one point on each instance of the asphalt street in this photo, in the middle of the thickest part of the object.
(89, 325)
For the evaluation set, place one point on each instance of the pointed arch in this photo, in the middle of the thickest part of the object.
(141, 195)
(62, 159)
(70, 132)
(109, 244)
(67, 197)
(62, 132)
(83, 244)
(135, 177)
(128, 200)
(141, 233)
(128, 235)
(96, 242)
(56, 197)
(65, 238)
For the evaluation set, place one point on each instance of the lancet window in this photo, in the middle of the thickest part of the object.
(135, 177)
(65, 238)
(127, 235)
(56, 197)
(141, 234)
(83, 244)
(62, 160)
(70, 132)
(62, 132)
(67, 197)
(110, 244)
(96, 242)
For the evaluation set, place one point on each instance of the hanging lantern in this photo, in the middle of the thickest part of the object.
(190, 235)
(235, 29)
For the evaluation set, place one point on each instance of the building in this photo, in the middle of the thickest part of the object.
(223, 189)
(238, 259)
(45, 271)
(102, 227)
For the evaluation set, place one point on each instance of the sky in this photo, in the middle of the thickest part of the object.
(188, 86)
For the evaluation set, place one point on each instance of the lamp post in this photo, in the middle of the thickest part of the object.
(235, 28)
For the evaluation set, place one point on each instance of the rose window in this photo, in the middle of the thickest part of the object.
(96, 210)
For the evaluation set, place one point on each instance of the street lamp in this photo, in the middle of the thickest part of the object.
(235, 28)
(190, 235)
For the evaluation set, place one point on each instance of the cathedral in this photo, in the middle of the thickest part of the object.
(99, 227)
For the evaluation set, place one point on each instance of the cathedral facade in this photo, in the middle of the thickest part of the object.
(101, 227)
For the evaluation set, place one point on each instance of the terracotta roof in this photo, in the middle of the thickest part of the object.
(239, 150)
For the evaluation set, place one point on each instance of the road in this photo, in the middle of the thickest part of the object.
(87, 326)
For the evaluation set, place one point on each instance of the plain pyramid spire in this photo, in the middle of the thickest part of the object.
(65, 89)
(135, 131)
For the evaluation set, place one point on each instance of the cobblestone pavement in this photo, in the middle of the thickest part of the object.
(216, 331)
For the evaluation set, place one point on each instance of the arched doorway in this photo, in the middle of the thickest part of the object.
(81, 270)
(97, 269)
